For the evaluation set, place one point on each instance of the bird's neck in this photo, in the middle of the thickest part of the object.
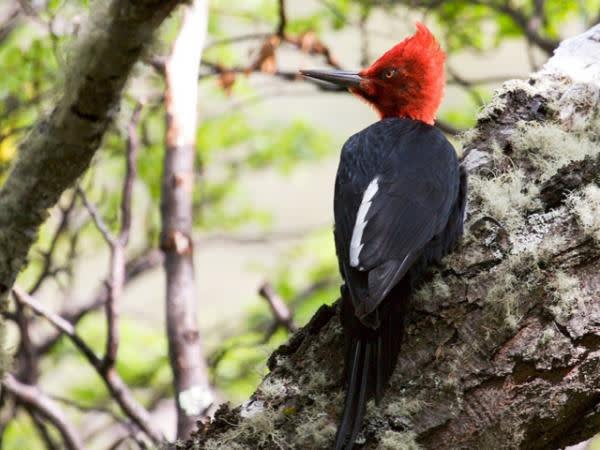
(423, 115)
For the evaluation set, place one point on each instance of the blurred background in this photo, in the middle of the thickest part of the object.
(267, 146)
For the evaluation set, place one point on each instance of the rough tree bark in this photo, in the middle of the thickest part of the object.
(502, 347)
(61, 145)
(193, 395)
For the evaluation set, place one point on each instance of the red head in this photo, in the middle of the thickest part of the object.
(407, 81)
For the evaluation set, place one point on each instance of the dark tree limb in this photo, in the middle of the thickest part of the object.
(502, 344)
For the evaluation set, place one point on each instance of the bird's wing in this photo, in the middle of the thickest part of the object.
(399, 213)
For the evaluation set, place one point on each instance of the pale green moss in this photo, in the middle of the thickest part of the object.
(578, 108)
(567, 295)
(505, 294)
(506, 197)
(550, 147)
(546, 336)
(273, 387)
(586, 206)
(213, 444)
(316, 432)
(436, 289)
(469, 135)
(393, 440)
(404, 407)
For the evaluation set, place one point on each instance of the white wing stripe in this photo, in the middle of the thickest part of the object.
(356, 244)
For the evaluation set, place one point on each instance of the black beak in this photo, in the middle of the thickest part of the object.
(338, 77)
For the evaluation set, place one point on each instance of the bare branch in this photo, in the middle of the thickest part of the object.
(135, 267)
(236, 39)
(115, 289)
(117, 253)
(36, 399)
(48, 255)
(192, 391)
(282, 314)
(58, 322)
(42, 428)
(96, 217)
(529, 25)
(119, 390)
(9, 22)
(280, 31)
(133, 147)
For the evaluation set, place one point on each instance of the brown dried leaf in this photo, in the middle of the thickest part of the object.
(266, 61)
(227, 80)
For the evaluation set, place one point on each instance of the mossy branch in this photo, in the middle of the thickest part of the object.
(61, 145)
(502, 348)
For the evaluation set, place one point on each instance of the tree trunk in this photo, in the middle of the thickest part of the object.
(502, 347)
(193, 395)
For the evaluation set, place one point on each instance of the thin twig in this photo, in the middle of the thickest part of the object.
(282, 314)
(133, 147)
(466, 85)
(280, 31)
(36, 399)
(119, 244)
(127, 425)
(96, 217)
(42, 428)
(9, 23)
(58, 322)
(236, 39)
(48, 255)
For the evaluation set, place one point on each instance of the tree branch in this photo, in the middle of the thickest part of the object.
(61, 145)
(193, 395)
(280, 31)
(133, 148)
(135, 267)
(101, 226)
(119, 390)
(530, 26)
(283, 315)
(48, 255)
(9, 22)
(37, 400)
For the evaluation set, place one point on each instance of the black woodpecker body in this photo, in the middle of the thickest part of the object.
(399, 205)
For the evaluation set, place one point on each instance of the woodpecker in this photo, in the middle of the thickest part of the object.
(399, 205)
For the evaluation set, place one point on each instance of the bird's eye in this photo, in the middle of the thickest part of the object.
(389, 73)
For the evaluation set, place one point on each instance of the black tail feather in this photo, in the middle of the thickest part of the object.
(350, 405)
(371, 356)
